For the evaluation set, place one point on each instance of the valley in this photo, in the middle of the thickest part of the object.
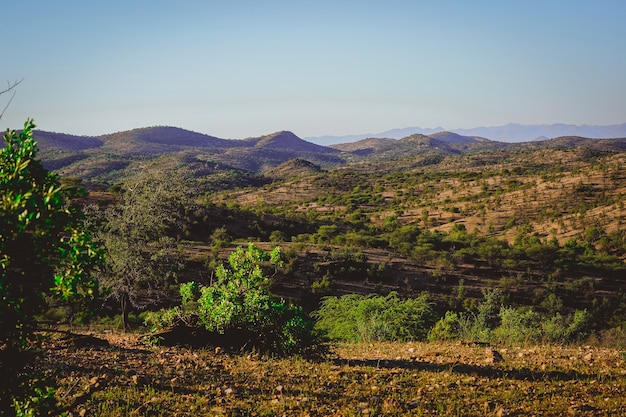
(541, 220)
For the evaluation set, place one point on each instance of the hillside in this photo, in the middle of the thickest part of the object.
(114, 156)
(491, 187)
(539, 184)
(542, 221)
(381, 207)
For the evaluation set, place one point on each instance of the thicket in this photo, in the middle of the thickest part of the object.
(361, 319)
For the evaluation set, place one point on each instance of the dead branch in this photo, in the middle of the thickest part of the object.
(9, 88)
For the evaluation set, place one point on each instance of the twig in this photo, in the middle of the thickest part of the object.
(70, 390)
(9, 88)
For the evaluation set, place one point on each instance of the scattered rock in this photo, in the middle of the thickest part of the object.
(492, 355)
(139, 380)
(413, 405)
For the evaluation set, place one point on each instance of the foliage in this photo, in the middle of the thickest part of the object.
(348, 263)
(356, 318)
(140, 236)
(493, 322)
(446, 328)
(239, 304)
(45, 253)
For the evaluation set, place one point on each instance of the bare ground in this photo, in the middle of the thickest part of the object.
(109, 374)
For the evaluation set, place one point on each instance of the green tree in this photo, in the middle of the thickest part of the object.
(140, 236)
(45, 252)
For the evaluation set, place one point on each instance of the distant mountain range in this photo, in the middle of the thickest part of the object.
(109, 157)
(511, 132)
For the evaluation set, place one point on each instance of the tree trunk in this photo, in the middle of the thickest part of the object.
(124, 306)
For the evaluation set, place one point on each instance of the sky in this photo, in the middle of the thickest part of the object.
(237, 68)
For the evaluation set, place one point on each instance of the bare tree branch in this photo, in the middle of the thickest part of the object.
(9, 88)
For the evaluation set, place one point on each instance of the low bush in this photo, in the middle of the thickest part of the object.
(239, 303)
(517, 326)
(356, 318)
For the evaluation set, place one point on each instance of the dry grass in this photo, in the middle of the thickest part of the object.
(546, 199)
(131, 378)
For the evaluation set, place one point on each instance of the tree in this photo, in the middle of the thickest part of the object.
(140, 237)
(45, 251)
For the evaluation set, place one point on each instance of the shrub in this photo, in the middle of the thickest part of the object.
(559, 329)
(356, 318)
(446, 328)
(477, 326)
(45, 254)
(239, 304)
(518, 326)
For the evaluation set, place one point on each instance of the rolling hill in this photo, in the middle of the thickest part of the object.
(447, 214)
(113, 156)
(512, 132)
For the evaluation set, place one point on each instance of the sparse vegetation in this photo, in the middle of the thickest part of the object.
(516, 247)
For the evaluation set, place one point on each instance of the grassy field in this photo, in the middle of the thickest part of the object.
(109, 374)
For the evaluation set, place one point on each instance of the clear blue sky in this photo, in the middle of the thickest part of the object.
(236, 69)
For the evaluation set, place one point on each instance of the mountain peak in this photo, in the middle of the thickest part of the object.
(286, 140)
(451, 137)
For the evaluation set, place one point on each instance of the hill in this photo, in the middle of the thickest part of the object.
(451, 137)
(285, 140)
(61, 141)
(538, 219)
(293, 168)
(114, 156)
(512, 132)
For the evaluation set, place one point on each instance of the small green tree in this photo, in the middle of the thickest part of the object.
(240, 306)
(45, 252)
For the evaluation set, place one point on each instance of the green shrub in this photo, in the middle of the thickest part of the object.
(46, 253)
(239, 303)
(356, 318)
(518, 326)
(475, 326)
(559, 329)
(446, 328)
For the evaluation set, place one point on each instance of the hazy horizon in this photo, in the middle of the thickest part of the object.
(242, 69)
